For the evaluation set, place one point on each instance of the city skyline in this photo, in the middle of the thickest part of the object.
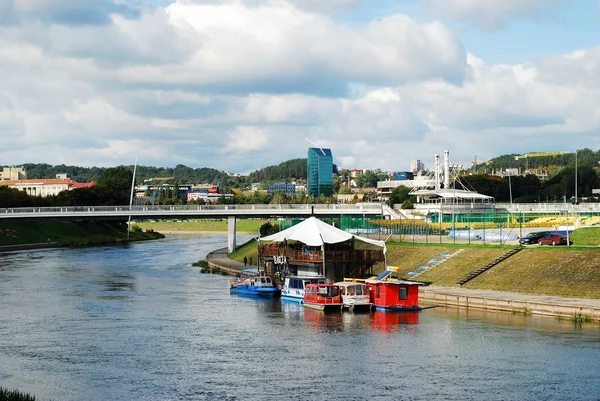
(238, 85)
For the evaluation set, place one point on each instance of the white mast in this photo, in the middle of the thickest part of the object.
(446, 169)
(437, 171)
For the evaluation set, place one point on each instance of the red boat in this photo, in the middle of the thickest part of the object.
(323, 297)
(389, 294)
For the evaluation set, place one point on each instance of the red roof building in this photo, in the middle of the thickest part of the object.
(46, 187)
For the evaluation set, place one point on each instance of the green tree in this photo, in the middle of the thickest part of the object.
(369, 179)
(117, 183)
(399, 195)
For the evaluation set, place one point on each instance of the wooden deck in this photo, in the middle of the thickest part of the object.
(316, 256)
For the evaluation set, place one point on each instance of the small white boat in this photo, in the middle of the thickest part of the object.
(293, 287)
(355, 296)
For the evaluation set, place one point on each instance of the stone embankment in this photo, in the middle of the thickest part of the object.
(559, 307)
(23, 247)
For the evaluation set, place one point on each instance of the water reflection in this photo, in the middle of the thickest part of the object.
(389, 321)
(142, 323)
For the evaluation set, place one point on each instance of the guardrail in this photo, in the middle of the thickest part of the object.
(193, 210)
(508, 208)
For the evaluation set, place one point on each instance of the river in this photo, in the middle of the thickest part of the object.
(138, 322)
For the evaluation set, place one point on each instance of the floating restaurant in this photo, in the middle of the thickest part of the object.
(313, 248)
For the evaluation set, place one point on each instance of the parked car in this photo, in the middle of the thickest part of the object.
(533, 238)
(554, 239)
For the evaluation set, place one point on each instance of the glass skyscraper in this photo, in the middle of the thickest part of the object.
(320, 172)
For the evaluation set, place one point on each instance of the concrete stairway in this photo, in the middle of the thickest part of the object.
(487, 267)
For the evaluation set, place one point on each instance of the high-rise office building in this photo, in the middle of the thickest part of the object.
(416, 166)
(320, 172)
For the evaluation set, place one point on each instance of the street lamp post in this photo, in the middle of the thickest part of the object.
(576, 177)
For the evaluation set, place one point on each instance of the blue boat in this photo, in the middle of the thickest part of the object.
(261, 286)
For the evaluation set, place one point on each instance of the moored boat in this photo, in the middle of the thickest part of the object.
(294, 286)
(323, 297)
(355, 296)
(261, 286)
(389, 294)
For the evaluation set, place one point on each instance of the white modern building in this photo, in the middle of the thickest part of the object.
(385, 188)
(437, 191)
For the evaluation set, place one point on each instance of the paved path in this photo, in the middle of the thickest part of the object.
(219, 258)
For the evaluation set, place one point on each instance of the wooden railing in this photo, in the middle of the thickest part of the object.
(316, 256)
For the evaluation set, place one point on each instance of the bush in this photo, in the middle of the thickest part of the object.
(407, 205)
(14, 395)
(136, 229)
(268, 228)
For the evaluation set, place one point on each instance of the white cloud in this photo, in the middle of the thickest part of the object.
(316, 6)
(239, 85)
(490, 14)
(246, 139)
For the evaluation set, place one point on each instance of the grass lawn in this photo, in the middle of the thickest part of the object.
(249, 250)
(563, 272)
(242, 225)
(586, 236)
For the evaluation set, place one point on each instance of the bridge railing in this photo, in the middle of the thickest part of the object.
(366, 207)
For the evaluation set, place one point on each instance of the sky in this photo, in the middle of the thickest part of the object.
(238, 85)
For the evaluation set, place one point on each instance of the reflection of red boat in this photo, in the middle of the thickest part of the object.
(384, 321)
(394, 295)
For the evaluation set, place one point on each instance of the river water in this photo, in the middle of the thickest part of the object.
(138, 322)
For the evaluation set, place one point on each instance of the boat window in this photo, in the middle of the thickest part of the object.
(263, 280)
(310, 291)
(377, 292)
(352, 290)
(403, 294)
(328, 291)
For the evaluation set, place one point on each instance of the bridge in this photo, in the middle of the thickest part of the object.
(234, 212)
(231, 212)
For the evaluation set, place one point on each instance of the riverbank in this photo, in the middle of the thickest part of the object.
(576, 309)
(542, 281)
(202, 226)
(37, 234)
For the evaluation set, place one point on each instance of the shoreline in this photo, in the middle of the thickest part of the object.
(567, 308)
(170, 232)
(563, 308)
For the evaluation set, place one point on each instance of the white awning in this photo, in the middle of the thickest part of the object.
(314, 232)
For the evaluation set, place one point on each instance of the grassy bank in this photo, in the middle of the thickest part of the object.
(68, 233)
(242, 225)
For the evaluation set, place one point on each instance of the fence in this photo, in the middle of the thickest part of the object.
(481, 228)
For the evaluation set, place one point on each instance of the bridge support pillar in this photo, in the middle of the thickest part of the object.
(231, 233)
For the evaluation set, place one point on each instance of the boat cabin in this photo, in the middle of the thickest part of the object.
(261, 281)
(393, 294)
(293, 287)
(355, 295)
(323, 297)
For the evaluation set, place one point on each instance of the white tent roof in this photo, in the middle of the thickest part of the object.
(314, 232)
